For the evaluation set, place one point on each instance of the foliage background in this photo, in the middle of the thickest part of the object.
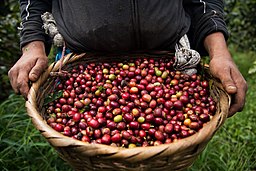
(232, 148)
(241, 20)
(9, 42)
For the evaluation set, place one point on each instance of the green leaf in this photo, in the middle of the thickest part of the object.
(53, 97)
(252, 70)
(101, 88)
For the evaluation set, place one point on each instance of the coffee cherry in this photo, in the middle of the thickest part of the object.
(139, 102)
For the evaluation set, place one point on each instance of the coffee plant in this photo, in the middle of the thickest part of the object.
(241, 19)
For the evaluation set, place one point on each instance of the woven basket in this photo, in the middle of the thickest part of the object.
(178, 155)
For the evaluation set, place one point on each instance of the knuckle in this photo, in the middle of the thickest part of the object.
(20, 84)
(240, 104)
(36, 71)
(227, 82)
(240, 108)
(11, 72)
(45, 63)
(42, 63)
(243, 85)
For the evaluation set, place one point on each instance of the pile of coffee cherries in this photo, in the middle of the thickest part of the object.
(133, 103)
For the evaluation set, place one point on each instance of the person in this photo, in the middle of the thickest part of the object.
(128, 26)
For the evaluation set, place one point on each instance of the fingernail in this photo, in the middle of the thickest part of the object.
(231, 88)
(33, 76)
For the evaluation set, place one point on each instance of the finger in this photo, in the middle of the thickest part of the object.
(22, 84)
(237, 106)
(12, 74)
(37, 69)
(227, 81)
(238, 100)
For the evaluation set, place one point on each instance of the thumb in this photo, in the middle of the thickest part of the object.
(38, 68)
(228, 83)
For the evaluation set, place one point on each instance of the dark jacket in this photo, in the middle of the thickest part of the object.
(124, 25)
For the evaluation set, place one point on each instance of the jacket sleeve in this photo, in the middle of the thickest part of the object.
(31, 22)
(207, 16)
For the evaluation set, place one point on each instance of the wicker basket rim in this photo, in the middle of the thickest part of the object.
(56, 139)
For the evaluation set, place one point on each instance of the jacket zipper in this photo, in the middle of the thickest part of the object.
(136, 23)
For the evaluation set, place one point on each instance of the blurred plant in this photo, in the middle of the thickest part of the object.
(252, 70)
(9, 42)
(241, 21)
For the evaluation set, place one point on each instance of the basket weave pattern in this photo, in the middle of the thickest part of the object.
(84, 156)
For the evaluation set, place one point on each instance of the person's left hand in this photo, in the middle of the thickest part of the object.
(223, 67)
(232, 81)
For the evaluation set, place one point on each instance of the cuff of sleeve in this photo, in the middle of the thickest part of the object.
(200, 44)
(34, 32)
(208, 26)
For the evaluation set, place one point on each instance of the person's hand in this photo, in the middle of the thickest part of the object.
(28, 68)
(224, 68)
(232, 81)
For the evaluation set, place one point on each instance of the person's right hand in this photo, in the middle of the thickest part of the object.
(28, 68)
